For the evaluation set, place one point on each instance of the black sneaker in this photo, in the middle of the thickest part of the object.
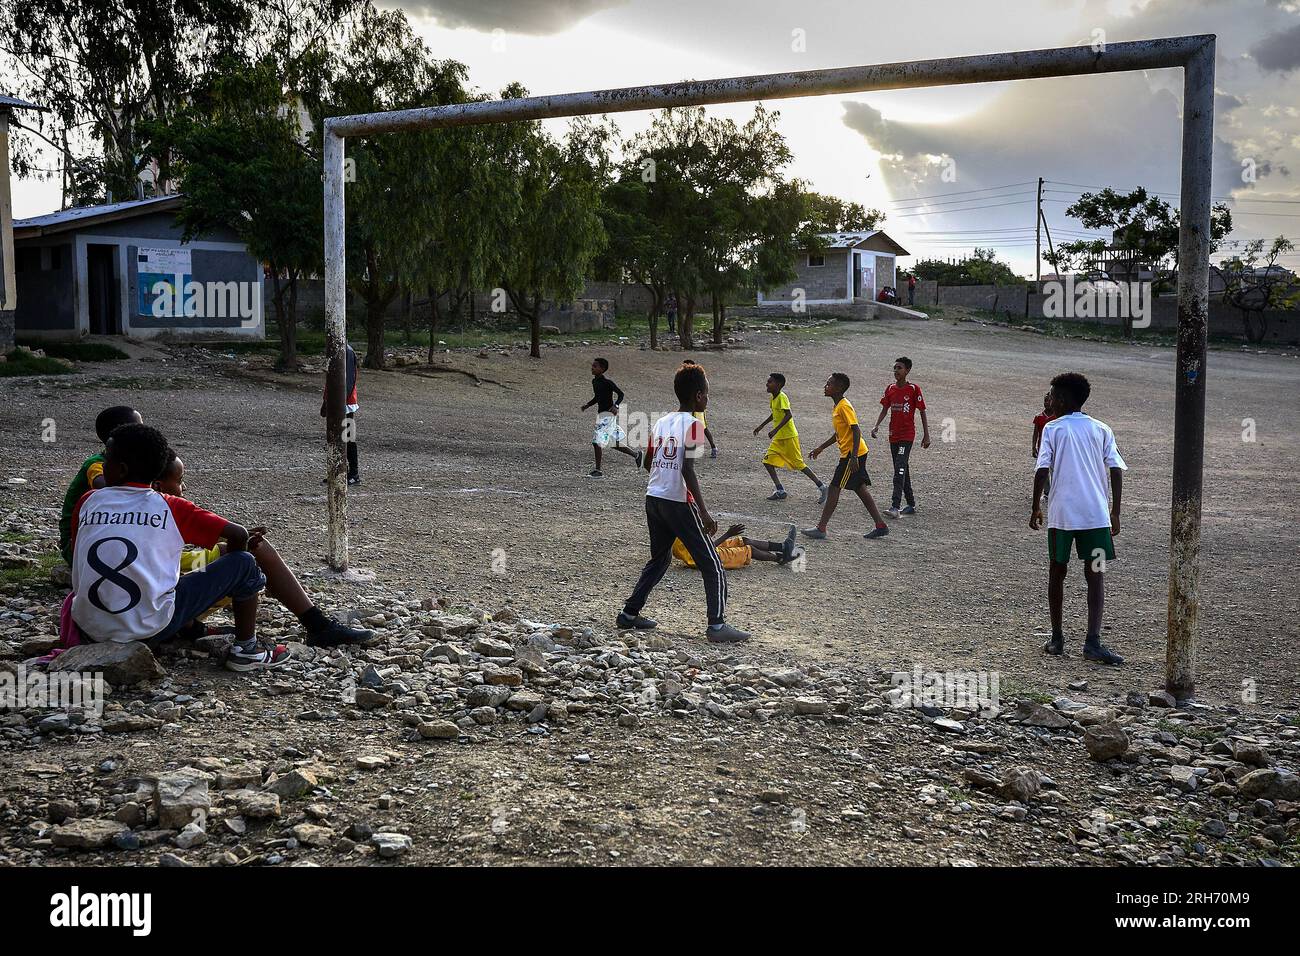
(628, 621)
(1094, 650)
(877, 532)
(595, 473)
(335, 633)
(909, 510)
(1056, 645)
(787, 546)
(258, 658)
(354, 479)
(726, 634)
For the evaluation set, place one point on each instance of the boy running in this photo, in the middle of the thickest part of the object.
(1077, 452)
(902, 401)
(674, 508)
(851, 473)
(784, 452)
(91, 473)
(351, 407)
(126, 555)
(607, 430)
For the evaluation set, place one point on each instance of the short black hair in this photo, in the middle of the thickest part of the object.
(143, 450)
(842, 379)
(172, 459)
(111, 418)
(1073, 387)
(689, 382)
(779, 378)
(603, 363)
(905, 361)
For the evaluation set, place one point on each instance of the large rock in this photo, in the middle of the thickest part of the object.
(1020, 784)
(296, 783)
(389, 845)
(86, 834)
(1106, 741)
(1270, 785)
(178, 794)
(1036, 715)
(121, 664)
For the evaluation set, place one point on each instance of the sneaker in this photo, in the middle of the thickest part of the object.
(596, 473)
(257, 659)
(877, 532)
(892, 512)
(714, 452)
(726, 634)
(628, 621)
(335, 633)
(354, 479)
(1094, 650)
(909, 510)
(816, 533)
(787, 547)
(1055, 646)
(823, 493)
(639, 456)
(778, 495)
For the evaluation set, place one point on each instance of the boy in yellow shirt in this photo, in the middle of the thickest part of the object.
(851, 473)
(784, 452)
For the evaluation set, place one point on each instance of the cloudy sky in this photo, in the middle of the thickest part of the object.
(891, 150)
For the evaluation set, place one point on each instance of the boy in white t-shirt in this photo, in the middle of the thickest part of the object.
(127, 540)
(674, 507)
(1078, 453)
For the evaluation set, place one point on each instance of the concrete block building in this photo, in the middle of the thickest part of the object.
(122, 269)
(852, 267)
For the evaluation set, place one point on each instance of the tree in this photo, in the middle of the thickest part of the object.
(557, 231)
(1140, 223)
(1254, 291)
(980, 268)
(246, 165)
(103, 69)
(832, 214)
(391, 205)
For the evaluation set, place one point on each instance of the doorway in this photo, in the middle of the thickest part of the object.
(101, 290)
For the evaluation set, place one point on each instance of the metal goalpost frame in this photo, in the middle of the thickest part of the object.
(1194, 54)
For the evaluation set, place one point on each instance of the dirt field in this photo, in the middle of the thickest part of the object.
(478, 493)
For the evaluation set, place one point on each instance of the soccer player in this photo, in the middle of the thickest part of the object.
(851, 472)
(608, 431)
(784, 452)
(902, 400)
(674, 507)
(1079, 454)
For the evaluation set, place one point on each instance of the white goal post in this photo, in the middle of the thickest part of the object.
(1193, 54)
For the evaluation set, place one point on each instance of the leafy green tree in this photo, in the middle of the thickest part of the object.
(980, 268)
(1254, 290)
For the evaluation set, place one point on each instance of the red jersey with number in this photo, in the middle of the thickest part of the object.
(902, 402)
(126, 558)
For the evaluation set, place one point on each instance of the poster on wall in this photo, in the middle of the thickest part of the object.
(162, 276)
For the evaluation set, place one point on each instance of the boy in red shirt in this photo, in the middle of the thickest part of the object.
(126, 555)
(1041, 419)
(901, 401)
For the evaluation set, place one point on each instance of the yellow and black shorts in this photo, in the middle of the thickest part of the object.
(851, 480)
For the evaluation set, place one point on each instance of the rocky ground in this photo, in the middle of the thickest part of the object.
(506, 721)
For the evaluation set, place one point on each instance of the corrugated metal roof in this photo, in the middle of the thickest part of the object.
(16, 103)
(78, 216)
(845, 240)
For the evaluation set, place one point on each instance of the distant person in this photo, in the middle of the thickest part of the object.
(671, 306)
(1041, 419)
(784, 451)
(901, 401)
(675, 509)
(350, 409)
(737, 551)
(851, 473)
(281, 583)
(704, 422)
(608, 431)
(1077, 452)
(911, 288)
(127, 541)
(91, 473)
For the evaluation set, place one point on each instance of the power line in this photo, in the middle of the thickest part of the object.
(944, 212)
(962, 192)
(1153, 192)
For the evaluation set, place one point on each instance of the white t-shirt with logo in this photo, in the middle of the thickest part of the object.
(675, 437)
(1079, 451)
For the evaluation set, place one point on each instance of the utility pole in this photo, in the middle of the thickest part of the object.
(1038, 235)
(1051, 250)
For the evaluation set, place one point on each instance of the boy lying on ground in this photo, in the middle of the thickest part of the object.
(281, 583)
(737, 551)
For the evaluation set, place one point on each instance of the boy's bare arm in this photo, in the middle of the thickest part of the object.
(236, 537)
(1036, 514)
(823, 446)
(1116, 493)
(759, 426)
(925, 430)
(693, 486)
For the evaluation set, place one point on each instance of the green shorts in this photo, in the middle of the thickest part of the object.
(1088, 544)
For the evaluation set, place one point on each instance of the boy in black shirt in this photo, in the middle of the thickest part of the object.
(607, 432)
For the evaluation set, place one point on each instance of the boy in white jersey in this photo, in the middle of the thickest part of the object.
(675, 509)
(1079, 454)
(126, 554)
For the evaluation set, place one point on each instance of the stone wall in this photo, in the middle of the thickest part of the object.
(6, 330)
